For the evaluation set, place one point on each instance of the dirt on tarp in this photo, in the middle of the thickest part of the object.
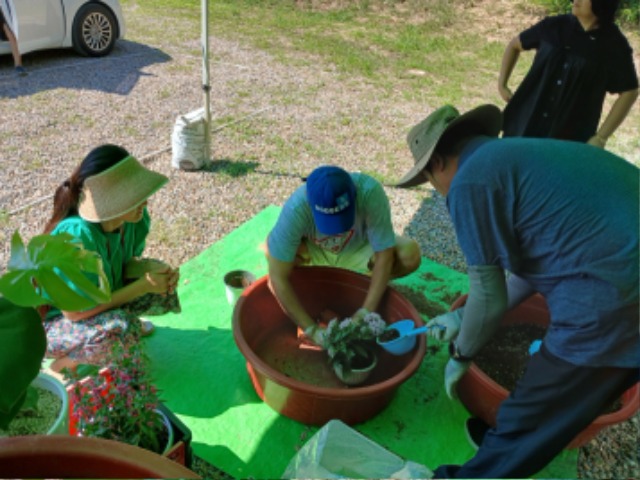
(426, 307)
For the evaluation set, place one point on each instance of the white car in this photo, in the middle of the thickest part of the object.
(91, 27)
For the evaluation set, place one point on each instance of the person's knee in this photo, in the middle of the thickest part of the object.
(407, 258)
(270, 285)
(303, 257)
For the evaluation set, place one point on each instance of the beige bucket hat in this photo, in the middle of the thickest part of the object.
(423, 138)
(117, 190)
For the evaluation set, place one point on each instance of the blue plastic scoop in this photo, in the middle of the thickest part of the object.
(407, 336)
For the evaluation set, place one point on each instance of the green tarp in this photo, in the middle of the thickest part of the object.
(204, 381)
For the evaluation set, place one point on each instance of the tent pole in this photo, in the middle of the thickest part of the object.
(206, 87)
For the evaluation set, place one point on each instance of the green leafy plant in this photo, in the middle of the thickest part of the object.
(118, 402)
(39, 274)
(345, 339)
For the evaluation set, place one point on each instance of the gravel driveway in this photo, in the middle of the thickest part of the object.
(261, 108)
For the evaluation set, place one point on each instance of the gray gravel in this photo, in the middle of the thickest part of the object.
(261, 108)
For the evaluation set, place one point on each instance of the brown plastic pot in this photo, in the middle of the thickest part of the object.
(296, 380)
(482, 396)
(63, 456)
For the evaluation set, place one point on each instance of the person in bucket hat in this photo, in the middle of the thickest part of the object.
(339, 219)
(423, 138)
(536, 215)
(103, 206)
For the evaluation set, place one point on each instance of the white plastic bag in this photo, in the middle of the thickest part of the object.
(338, 451)
(188, 141)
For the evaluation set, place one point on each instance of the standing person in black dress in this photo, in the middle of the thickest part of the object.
(580, 57)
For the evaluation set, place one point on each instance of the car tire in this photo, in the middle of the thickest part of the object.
(94, 30)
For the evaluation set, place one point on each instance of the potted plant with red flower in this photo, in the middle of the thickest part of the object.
(38, 274)
(119, 402)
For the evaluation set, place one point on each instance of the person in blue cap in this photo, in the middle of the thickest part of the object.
(562, 218)
(338, 219)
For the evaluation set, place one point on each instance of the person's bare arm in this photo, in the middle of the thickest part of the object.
(380, 276)
(282, 289)
(509, 60)
(619, 111)
(138, 267)
(151, 282)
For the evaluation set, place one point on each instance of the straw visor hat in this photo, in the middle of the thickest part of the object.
(117, 190)
(423, 138)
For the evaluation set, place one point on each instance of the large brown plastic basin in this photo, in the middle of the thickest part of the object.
(482, 396)
(298, 382)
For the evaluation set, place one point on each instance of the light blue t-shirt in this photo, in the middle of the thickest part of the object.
(564, 216)
(372, 224)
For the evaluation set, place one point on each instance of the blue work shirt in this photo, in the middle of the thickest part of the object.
(564, 216)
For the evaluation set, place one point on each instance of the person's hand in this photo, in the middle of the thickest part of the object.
(597, 141)
(453, 372)
(160, 282)
(358, 317)
(445, 327)
(317, 334)
(174, 278)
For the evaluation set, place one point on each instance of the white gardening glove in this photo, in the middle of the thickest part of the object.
(358, 317)
(453, 372)
(445, 327)
(317, 334)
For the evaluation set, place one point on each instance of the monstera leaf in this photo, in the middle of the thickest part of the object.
(52, 270)
(22, 347)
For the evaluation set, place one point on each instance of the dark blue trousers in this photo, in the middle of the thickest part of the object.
(552, 403)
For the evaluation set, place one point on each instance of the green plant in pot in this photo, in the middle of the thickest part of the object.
(119, 402)
(50, 270)
(351, 346)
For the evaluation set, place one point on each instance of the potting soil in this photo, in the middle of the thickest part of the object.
(505, 357)
(203, 379)
(35, 419)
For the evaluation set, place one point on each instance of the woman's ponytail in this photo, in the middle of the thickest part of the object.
(67, 195)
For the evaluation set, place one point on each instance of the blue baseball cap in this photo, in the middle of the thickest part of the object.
(331, 194)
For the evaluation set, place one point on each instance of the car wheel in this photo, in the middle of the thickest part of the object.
(94, 30)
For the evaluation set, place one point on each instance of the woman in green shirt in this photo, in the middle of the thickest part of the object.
(103, 206)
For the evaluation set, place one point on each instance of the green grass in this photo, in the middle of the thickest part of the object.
(377, 44)
(426, 49)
